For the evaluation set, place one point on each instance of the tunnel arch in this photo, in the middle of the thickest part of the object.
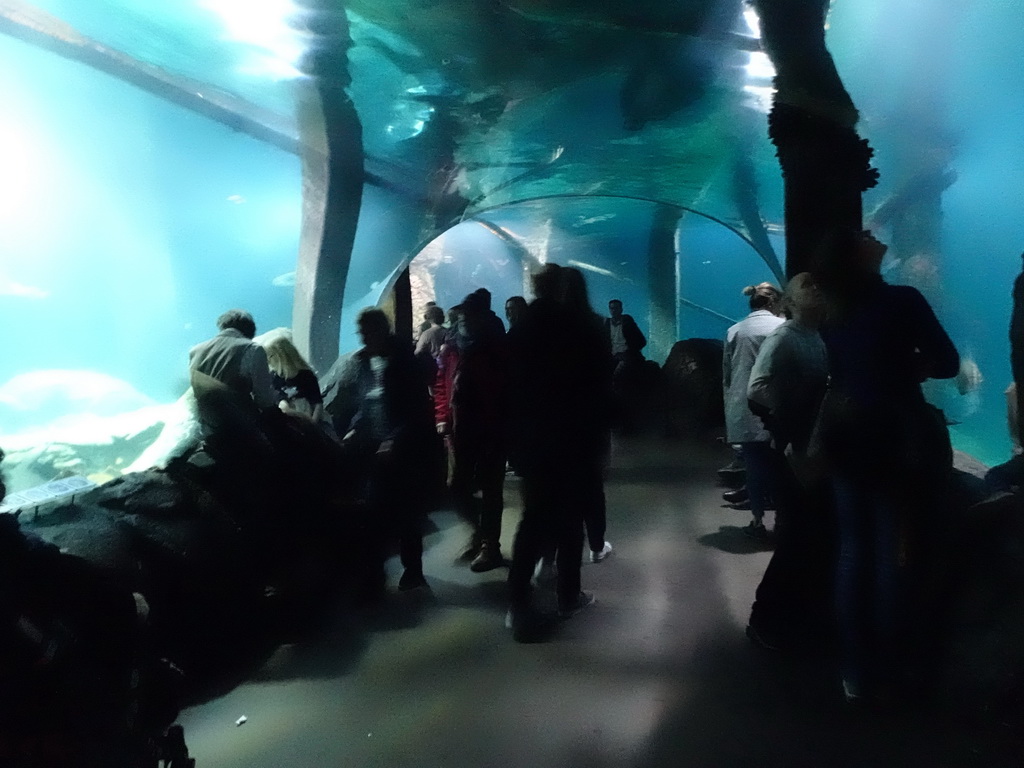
(664, 290)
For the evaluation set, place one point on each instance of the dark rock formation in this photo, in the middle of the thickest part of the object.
(217, 543)
(693, 386)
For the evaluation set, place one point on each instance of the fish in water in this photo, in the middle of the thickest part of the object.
(287, 280)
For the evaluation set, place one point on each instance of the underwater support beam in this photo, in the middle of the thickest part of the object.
(332, 192)
(31, 25)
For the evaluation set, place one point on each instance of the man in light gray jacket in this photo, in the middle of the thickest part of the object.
(742, 343)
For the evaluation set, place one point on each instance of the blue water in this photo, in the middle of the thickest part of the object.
(128, 224)
(132, 229)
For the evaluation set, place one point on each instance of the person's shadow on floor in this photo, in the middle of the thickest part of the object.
(735, 540)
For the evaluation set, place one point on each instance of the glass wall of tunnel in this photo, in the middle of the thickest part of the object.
(127, 225)
(128, 222)
(678, 272)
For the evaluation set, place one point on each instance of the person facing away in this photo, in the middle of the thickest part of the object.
(790, 373)
(297, 386)
(483, 298)
(558, 362)
(391, 433)
(627, 340)
(230, 375)
(425, 325)
(742, 343)
(515, 310)
(432, 337)
(234, 360)
(889, 457)
(787, 384)
(577, 300)
(471, 408)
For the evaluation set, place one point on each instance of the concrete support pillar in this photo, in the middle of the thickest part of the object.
(663, 282)
(332, 188)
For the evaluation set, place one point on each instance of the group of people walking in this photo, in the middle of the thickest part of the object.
(535, 399)
(828, 413)
(822, 397)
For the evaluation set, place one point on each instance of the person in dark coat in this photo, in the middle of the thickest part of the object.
(625, 336)
(888, 454)
(392, 433)
(558, 364)
(471, 408)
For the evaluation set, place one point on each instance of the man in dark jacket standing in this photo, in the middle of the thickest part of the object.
(625, 335)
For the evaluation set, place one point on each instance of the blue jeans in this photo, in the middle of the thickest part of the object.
(868, 582)
(761, 463)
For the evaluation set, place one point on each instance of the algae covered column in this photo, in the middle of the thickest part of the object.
(332, 181)
(825, 164)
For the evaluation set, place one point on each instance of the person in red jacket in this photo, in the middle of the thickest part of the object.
(470, 403)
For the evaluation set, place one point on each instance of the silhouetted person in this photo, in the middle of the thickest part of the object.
(742, 343)
(515, 310)
(391, 433)
(558, 364)
(483, 297)
(577, 300)
(889, 456)
(471, 408)
(786, 387)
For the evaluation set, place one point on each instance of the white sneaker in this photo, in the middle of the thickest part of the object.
(597, 557)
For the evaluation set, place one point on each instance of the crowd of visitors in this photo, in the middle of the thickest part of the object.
(822, 400)
(535, 400)
(828, 412)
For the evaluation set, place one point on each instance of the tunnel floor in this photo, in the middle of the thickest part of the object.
(657, 672)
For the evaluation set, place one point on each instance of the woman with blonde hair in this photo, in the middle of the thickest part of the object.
(742, 343)
(294, 379)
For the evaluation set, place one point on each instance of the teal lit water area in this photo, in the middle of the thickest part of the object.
(127, 225)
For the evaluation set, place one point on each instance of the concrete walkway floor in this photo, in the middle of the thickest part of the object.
(656, 673)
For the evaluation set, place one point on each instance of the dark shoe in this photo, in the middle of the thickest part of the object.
(411, 580)
(756, 530)
(583, 600)
(528, 626)
(736, 497)
(470, 552)
(743, 506)
(487, 559)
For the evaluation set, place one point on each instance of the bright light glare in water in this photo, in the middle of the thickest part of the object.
(760, 66)
(262, 24)
(23, 180)
(753, 22)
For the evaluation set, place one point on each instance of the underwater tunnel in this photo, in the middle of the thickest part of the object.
(293, 158)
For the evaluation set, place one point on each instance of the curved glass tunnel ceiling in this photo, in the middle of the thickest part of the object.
(660, 102)
(469, 108)
(653, 257)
